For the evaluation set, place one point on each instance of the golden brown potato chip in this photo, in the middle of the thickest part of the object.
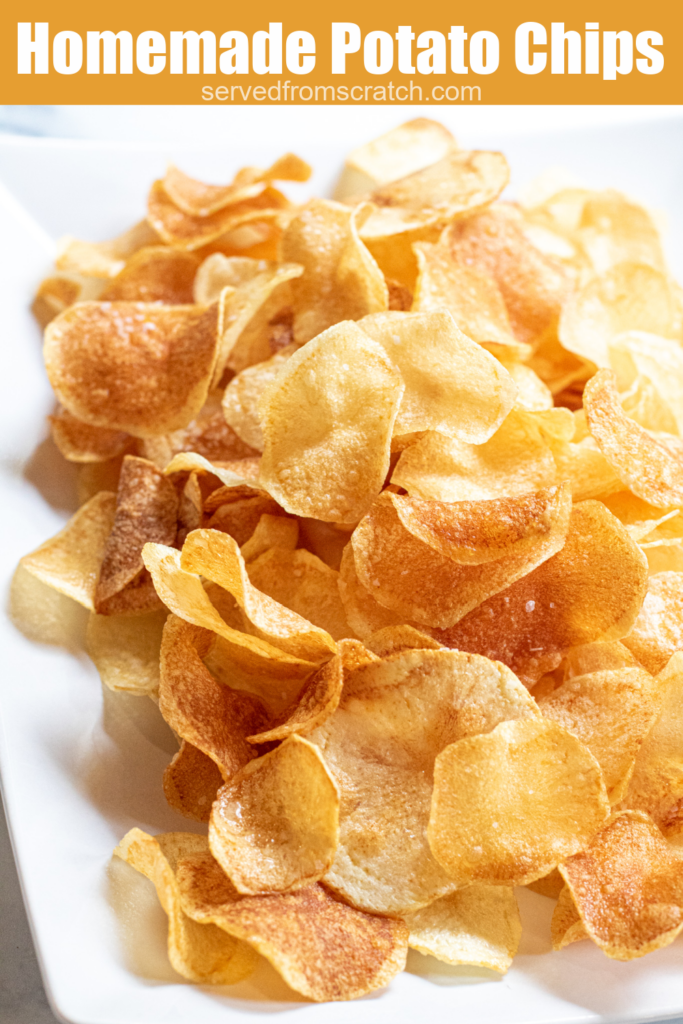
(103, 259)
(327, 421)
(155, 274)
(638, 516)
(550, 885)
(317, 700)
(628, 297)
(408, 707)
(191, 782)
(451, 384)
(399, 152)
(394, 639)
(70, 561)
(590, 590)
(208, 714)
(201, 200)
(243, 393)
(239, 518)
(478, 925)
(656, 785)
(217, 557)
(275, 825)
(138, 367)
(602, 656)
(510, 805)
(341, 280)
(81, 442)
(303, 583)
(238, 473)
(322, 948)
(200, 953)
(271, 532)
(658, 631)
(126, 650)
(585, 467)
(433, 562)
(628, 887)
(660, 360)
(533, 285)
(566, 925)
(54, 295)
(515, 460)
(611, 712)
(146, 511)
(364, 615)
(558, 368)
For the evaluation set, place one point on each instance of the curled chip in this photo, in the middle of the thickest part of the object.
(515, 460)
(327, 421)
(271, 532)
(126, 648)
(566, 925)
(138, 367)
(341, 280)
(510, 805)
(611, 712)
(103, 259)
(243, 393)
(322, 948)
(191, 782)
(54, 295)
(154, 274)
(146, 511)
(199, 952)
(478, 925)
(275, 825)
(70, 561)
(433, 562)
(451, 384)
(660, 360)
(651, 466)
(658, 631)
(394, 639)
(201, 200)
(81, 442)
(408, 706)
(317, 701)
(628, 887)
(592, 589)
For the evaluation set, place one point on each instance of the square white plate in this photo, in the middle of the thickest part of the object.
(79, 769)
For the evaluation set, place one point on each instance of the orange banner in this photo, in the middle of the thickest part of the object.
(384, 52)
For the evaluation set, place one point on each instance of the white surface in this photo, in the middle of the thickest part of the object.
(79, 771)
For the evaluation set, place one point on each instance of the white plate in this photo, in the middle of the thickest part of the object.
(79, 770)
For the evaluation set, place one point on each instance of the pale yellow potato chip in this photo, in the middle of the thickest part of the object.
(613, 230)
(394, 639)
(638, 516)
(627, 887)
(611, 712)
(364, 614)
(451, 384)
(510, 805)
(341, 280)
(515, 460)
(478, 925)
(327, 421)
(201, 953)
(81, 442)
(103, 259)
(275, 825)
(70, 561)
(663, 555)
(218, 271)
(658, 631)
(242, 395)
(602, 656)
(138, 367)
(643, 403)
(322, 948)
(126, 648)
(234, 474)
(533, 395)
(586, 468)
(43, 614)
(271, 532)
(659, 359)
(408, 706)
(216, 556)
(200, 199)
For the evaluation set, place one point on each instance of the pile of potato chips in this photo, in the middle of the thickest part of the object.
(381, 503)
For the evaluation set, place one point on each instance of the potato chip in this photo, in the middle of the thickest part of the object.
(660, 360)
(243, 393)
(533, 395)
(44, 615)
(591, 590)
(406, 709)
(201, 200)
(275, 825)
(566, 925)
(239, 473)
(586, 469)
(154, 274)
(81, 442)
(408, 148)
(394, 639)
(628, 297)
(315, 703)
(644, 404)
(271, 532)
(341, 280)
(240, 518)
(603, 656)
(478, 925)
(558, 368)
(550, 885)
(146, 511)
(103, 259)
(433, 562)
(191, 782)
(199, 952)
(322, 948)
(658, 631)
(515, 460)
(94, 477)
(327, 421)
(611, 712)
(126, 650)
(137, 367)
(70, 561)
(613, 230)
(484, 828)
(638, 516)
(54, 295)
(628, 887)
(364, 614)
(218, 271)
(533, 285)
(217, 557)
(451, 384)
(472, 298)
